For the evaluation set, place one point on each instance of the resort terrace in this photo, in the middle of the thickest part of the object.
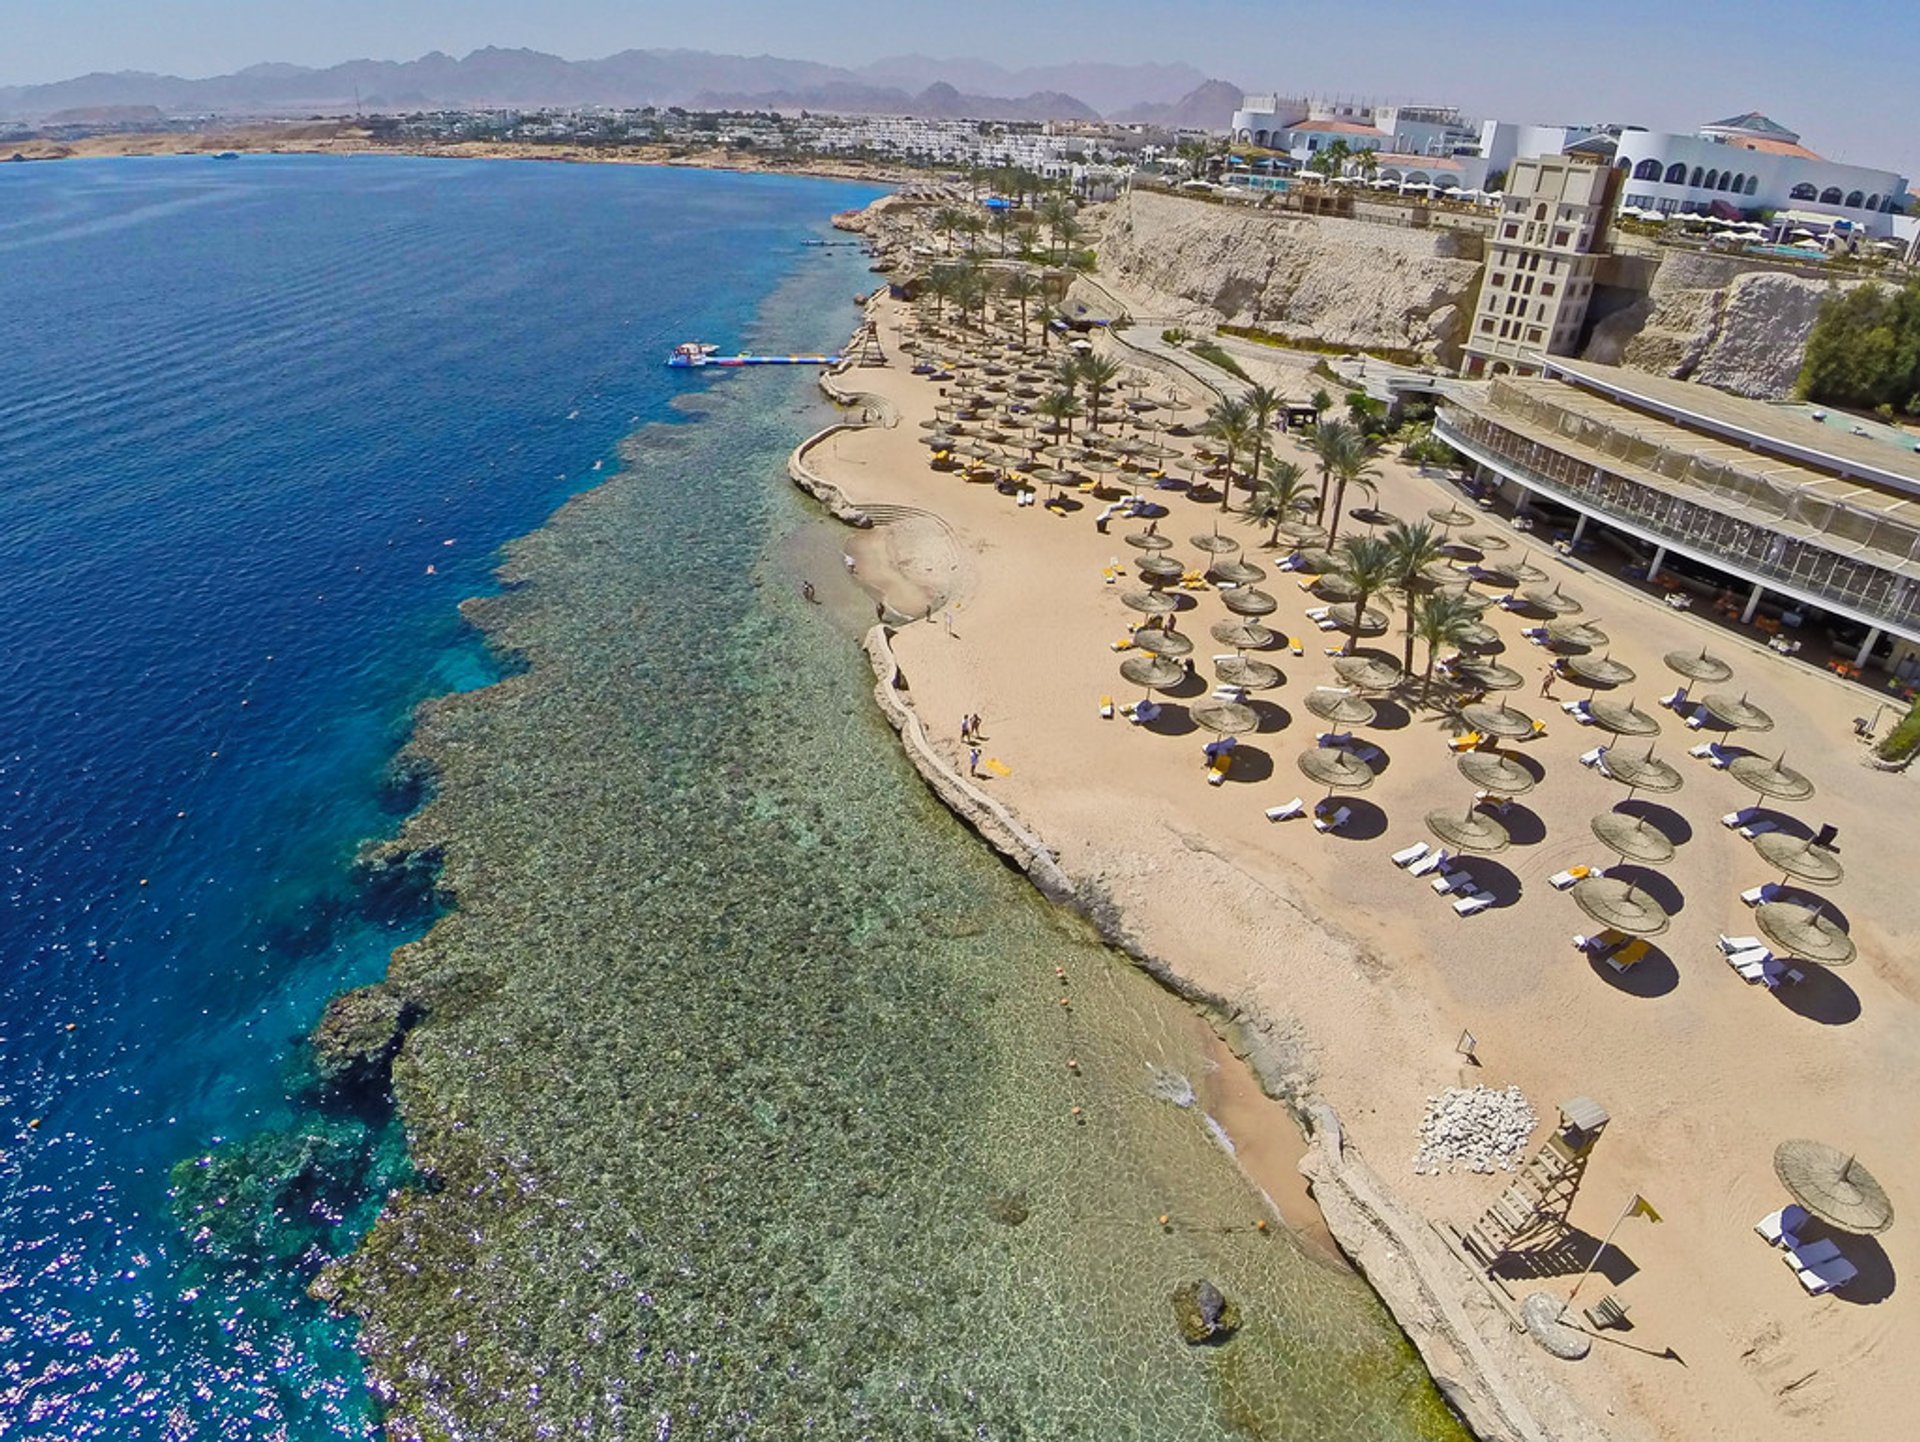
(1774, 499)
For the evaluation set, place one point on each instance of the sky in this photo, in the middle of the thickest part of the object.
(1842, 75)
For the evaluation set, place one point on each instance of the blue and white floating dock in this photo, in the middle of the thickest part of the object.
(693, 354)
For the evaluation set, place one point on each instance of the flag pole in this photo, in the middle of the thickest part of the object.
(1600, 1250)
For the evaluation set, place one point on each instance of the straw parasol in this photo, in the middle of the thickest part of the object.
(1158, 566)
(1214, 543)
(1576, 633)
(1342, 708)
(1369, 673)
(1149, 603)
(1553, 600)
(1243, 635)
(1476, 633)
(1227, 718)
(1246, 671)
(1155, 673)
(1614, 902)
(1496, 771)
(1148, 541)
(1302, 533)
(1622, 720)
(1737, 712)
(1770, 778)
(1515, 572)
(1237, 572)
(1487, 541)
(1472, 830)
(1442, 573)
(1335, 586)
(1163, 643)
(1336, 769)
(1799, 858)
(1497, 720)
(1488, 674)
(1592, 671)
(1318, 559)
(1348, 617)
(1248, 602)
(1641, 773)
(1450, 516)
(1709, 669)
(1833, 1186)
(1805, 932)
(1632, 838)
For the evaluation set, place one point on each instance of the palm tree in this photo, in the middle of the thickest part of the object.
(1061, 407)
(1353, 467)
(1066, 233)
(946, 220)
(1021, 288)
(941, 284)
(972, 225)
(1440, 619)
(1046, 316)
(1261, 404)
(1367, 563)
(970, 290)
(1414, 548)
(1334, 442)
(1281, 488)
(1097, 374)
(1002, 223)
(1227, 422)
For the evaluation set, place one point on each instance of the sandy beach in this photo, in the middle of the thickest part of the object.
(1373, 978)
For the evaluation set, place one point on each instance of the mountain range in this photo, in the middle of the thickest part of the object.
(901, 85)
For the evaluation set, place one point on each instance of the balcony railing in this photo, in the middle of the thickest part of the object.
(1867, 591)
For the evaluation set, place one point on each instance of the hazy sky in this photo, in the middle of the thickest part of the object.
(1843, 75)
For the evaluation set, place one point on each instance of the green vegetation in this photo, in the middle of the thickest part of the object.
(1397, 355)
(1210, 351)
(1176, 336)
(1865, 350)
(1904, 739)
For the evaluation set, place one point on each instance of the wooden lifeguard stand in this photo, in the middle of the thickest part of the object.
(867, 352)
(1534, 1209)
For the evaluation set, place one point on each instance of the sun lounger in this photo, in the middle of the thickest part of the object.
(1734, 945)
(1539, 730)
(1294, 646)
(1142, 712)
(1432, 861)
(1562, 880)
(1334, 822)
(1749, 956)
(1697, 719)
(1609, 1311)
(1411, 854)
(1449, 882)
(1468, 905)
(1225, 692)
(1364, 752)
(1125, 643)
(1814, 1254)
(1754, 896)
(1106, 708)
(1288, 811)
(1734, 820)
(1333, 738)
(1579, 711)
(1758, 828)
(1675, 701)
(1217, 768)
(1226, 656)
(1111, 575)
(1319, 613)
(1824, 1276)
(1465, 741)
(1631, 954)
(1536, 634)
(1782, 1228)
(1592, 758)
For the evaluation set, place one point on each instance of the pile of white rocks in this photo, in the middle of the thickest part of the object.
(1475, 1127)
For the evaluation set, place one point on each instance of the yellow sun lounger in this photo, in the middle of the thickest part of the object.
(1106, 708)
(1125, 643)
(1466, 741)
(1111, 575)
(1218, 768)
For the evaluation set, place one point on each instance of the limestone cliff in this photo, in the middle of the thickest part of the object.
(1723, 322)
(1344, 281)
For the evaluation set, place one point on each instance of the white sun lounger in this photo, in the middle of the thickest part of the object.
(1782, 1228)
(1592, 758)
(1319, 613)
(1451, 881)
(1561, 880)
(1734, 945)
(1733, 820)
(1143, 712)
(1750, 956)
(1825, 1276)
(1758, 828)
(1432, 861)
(1410, 854)
(1814, 1254)
(1753, 896)
(1676, 700)
(1697, 719)
(1701, 752)
(1333, 822)
(1229, 693)
(1468, 905)
(1293, 808)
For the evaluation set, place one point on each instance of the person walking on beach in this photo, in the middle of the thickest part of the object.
(966, 728)
(1547, 678)
(973, 727)
(849, 560)
(806, 592)
(973, 762)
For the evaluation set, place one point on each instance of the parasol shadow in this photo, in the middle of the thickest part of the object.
(1652, 976)
(1367, 821)
(1250, 764)
(1824, 997)
(1390, 715)
(1664, 819)
(1653, 883)
(1524, 826)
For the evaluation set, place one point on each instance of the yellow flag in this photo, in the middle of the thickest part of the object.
(1642, 1208)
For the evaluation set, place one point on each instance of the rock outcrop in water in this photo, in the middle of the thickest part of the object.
(1203, 1313)
(358, 1037)
(1344, 281)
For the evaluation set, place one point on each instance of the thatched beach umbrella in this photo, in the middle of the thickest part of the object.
(1596, 671)
(1621, 905)
(1214, 544)
(1248, 602)
(1805, 932)
(1342, 708)
(1236, 572)
(1519, 572)
(1302, 533)
(1335, 586)
(1471, 830)
(1737, 712)
(1442, 573)
(1497, 772)
(1246, 671)
(1163, 643)
(1552, 600)
(1226, 718)
(1450, 516)
(1335, 768)
(1159, 567)
(1632, 838)
(1476, 634)
(1149, 603)
(1497, 719)
(1369, 673)
(1799, 858)
(1487, 674)
(1148, 541)
(1155, 673)
(1833, 1186)
(1640, 773)
(1351, 619)
(1622, 719)
(1317, 559)
(1770, 778)
(1243, 635)
(1487, 541)
(1703, 668)
(1583, 634)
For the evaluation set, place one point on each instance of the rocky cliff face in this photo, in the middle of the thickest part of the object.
(1344, 281)
(1719, 321)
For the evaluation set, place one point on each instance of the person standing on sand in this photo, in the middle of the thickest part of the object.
(973, 762)
(966, 728)
(806, 592)
(1547, 678)
(973, 727)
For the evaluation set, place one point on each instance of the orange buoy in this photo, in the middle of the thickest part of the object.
(1261, 1225)
(1073, 1064)
(1165, 1220)
(1076, 1111)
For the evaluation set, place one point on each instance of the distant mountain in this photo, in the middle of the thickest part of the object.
(495, 77)
(1208, 106)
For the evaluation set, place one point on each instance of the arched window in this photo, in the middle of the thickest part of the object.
(1647, 170)
(1712, 182)
(1259, 137)
(1853, 200)
(1739, 184)
(1695, 182)
(1753, 184)
(1623, 164)
(1676, 174)
(1803, 191)
(1830, 196)
(1873, 202)
(1539, 212)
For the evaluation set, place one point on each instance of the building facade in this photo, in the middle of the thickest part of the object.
(1540, 264)
(1303, 127)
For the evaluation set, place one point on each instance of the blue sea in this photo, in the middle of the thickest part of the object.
(263, 424)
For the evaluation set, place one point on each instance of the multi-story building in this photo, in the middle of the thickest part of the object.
(1302, 128)
(1540, 264)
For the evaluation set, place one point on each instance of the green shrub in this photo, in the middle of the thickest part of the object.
(1864, 350)
(1904, 739)
(1396, 355)
(1176, 336)
(1210, 351)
